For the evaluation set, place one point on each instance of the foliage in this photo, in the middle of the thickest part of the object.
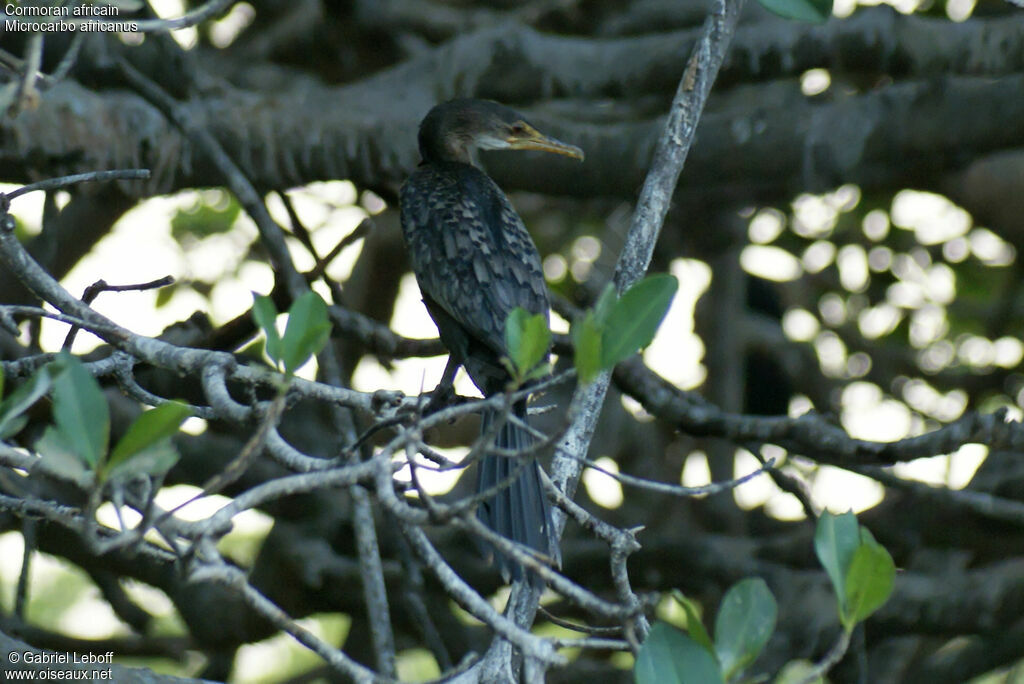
(527, 338)
(615, 329)
(861, 571)
(745, 622)
(76, 443)
(207, 216)
(305, 334)
(669, 656)
(618, 327)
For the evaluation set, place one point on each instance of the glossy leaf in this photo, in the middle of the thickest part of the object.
(12, 409)
(80, 412)
(306, 333)
(586, 342)
(745, 622)
(635, 318)
(835, 541)
(527, 339)
(669, 656)
(149, 428)
(693, 622)
(868, 583)
(265, 314)
(813, 11)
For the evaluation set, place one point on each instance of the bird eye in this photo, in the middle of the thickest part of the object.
(519, 128)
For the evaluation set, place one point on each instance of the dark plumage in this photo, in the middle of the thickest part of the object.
(475, 262)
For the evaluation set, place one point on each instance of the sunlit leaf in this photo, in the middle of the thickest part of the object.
(265, 314)
(745, 622)
(586, 342)
(693, 623)
(836, 539)
(527, 338)
(635, 318)
(165, 294)
(306, 333)
(869, 582)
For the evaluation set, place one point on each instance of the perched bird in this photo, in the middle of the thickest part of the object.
(475, 262)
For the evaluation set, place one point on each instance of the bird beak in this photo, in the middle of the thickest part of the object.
(533, 139)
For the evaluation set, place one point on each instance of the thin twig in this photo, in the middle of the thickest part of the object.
(94, 290)
(831, 659)
(28, 536)
(235, 578)
(576, 626)
(90, 177)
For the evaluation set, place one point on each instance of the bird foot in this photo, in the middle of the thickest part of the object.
(441, 397)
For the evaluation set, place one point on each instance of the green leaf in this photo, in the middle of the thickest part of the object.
(868, 582)
(635, 318)
(265, 314)
(586, 342)
(80, 411)
(306, 333)
(745, 622)
(527, 338)
(814, 11)
(21, 400)
(59, 457)
(693, 623)
(541, 370)
(155, 459)
(605, 304)
(835, 541)
(668, 656)
(149, 428)
(797, 671)
(165, 294)
(214, 213)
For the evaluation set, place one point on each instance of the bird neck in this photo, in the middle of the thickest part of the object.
(439, 143)
(448, 149)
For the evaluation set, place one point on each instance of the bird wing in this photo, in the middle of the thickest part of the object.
(470, 250)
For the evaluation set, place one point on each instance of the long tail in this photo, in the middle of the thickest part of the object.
(520, 511)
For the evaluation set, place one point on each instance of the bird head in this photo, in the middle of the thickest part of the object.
(452, 130)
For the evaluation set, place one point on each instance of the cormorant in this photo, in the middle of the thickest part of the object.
(475, 262)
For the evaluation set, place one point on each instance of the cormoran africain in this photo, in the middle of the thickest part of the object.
(475, 262)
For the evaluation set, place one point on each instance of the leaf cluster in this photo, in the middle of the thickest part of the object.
(612, 331)
(305, 334)
(77, 443)
(860, 569)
